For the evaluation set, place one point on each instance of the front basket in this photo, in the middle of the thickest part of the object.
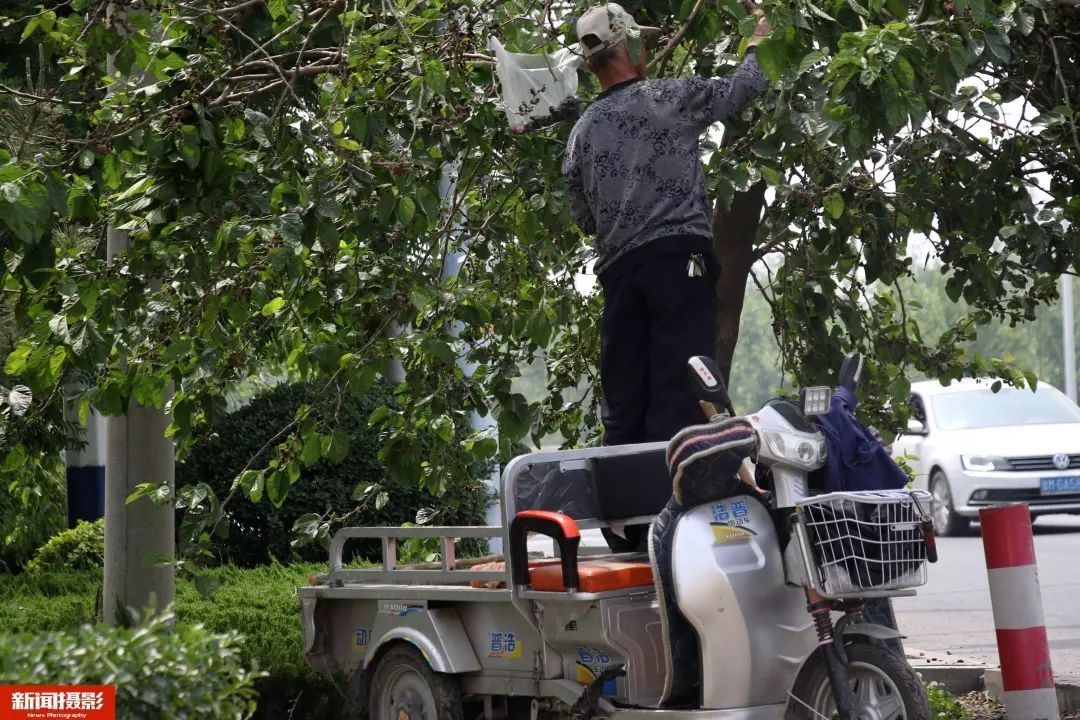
(864, 544)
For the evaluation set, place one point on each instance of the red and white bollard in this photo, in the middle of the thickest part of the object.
(1018, 613)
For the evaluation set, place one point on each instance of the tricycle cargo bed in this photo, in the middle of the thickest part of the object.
(475, 621)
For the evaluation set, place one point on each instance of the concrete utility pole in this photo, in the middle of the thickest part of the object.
(1068, 336)
(451, 267)
(138, 535)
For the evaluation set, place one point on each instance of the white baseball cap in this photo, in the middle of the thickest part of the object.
(608, 25)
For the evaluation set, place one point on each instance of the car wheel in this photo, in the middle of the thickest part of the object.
(946, 521)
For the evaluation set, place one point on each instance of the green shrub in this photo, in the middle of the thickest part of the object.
(80, 548)
(32, 509)
(260, 531)
(261, 604)
(159, 671)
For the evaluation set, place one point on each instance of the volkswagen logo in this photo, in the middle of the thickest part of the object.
(1061, 461)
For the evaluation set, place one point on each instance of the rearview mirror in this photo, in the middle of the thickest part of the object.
(851, 371)
(915, 427)
(708, 385)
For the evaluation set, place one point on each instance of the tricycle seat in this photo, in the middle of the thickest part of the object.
(594, 576)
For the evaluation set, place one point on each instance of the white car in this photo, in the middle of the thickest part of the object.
(972, 447)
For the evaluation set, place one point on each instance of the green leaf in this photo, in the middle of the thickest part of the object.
(277, 488)
(904, 72)
(257, 487)
(769, 174)
(308, 525)
(437, 348)
(273, 306)
(435, 76)
(56, 362)
(834, 205)
(381, 500)
(385, 208)
(810, 60)
(15, 459)
(998, 46)
(406, 210)
(206, 584)
(769, 58)
(148, 389)
(336, 445)
(312, 451)
(141, 490)
(362, 490)
(17, 359)
(1025, 21)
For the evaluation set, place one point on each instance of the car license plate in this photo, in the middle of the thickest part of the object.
(1059, 485)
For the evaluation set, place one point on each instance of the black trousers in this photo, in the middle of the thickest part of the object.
(657, 315)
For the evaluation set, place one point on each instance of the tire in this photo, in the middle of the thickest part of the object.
(946, 522)
(404, 687)
(883, 684)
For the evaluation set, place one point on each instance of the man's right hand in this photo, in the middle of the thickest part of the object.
(763, 29)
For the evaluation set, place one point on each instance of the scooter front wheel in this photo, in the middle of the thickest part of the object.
(883, 685)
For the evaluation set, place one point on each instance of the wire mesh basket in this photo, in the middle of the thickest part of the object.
(865, 544)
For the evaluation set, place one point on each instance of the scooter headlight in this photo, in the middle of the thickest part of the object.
(804, 452)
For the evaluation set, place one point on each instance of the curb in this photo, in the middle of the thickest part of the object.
(1068, 689)
(961, 675)
(956, 674)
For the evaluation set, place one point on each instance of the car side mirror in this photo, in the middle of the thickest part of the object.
(916, 427)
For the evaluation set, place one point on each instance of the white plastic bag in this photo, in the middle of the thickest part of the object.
(537, 90)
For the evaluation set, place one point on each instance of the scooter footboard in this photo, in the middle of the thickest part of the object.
(729, 581)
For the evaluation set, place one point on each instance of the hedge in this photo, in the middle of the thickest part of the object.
(259, 532)
(160, 672)
(80, 548)
(259, 603)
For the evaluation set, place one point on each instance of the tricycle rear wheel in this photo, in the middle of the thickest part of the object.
(404, 687)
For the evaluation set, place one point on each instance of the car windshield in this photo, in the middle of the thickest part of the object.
(1009, 406)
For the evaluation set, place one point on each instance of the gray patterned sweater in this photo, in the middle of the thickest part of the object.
(633, 163)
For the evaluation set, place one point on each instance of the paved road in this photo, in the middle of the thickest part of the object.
(952, 612)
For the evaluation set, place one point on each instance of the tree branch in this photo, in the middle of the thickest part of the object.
(5, 90)
(677, 37)
(241, 6)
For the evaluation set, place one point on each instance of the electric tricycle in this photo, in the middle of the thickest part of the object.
(748, 604)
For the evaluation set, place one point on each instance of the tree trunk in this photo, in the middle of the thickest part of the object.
(734, 230)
